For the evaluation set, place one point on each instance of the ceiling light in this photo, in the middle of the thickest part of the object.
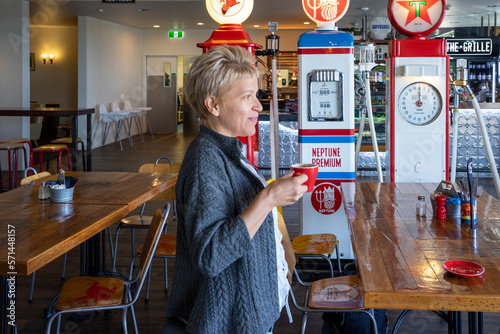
(144, 9)
(307, 22)
(100, 10)
(156, 26)
(200, 23)
(365, 9)
(256, 26)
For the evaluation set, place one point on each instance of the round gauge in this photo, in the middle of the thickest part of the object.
(420, 103)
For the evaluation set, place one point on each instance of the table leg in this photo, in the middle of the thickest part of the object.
(455, 322)
(74, 140)
(472, 323)
(89, 143)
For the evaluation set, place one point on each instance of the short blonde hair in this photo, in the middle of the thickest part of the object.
(214, 72)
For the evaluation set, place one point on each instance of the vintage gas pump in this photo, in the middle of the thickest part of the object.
(417, 126)
(326, 119)
(230, 15)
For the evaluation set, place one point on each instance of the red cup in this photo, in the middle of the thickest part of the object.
(311, 170)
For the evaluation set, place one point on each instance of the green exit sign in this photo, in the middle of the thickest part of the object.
(175, 34)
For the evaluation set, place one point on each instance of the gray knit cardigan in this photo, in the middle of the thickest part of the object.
(224, 282)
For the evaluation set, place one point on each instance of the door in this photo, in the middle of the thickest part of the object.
(161, 84)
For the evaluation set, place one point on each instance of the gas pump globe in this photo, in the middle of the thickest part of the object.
(326, 119)
(417, 127)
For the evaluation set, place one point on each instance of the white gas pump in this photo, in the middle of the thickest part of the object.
(326, 119)
(417, 125)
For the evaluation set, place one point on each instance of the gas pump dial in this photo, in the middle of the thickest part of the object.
(325, 95)
(420, 103)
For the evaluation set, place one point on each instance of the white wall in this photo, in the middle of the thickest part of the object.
(14, 69)
(110, 67)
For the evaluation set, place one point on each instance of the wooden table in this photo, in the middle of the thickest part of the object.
(62, 112)
(400, 256)
(45, 230)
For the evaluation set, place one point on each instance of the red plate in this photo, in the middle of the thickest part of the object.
(463, 268)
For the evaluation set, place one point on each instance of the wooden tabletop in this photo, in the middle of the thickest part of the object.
(400, 256)
(54, 112)
(45, 230)
(115, 188)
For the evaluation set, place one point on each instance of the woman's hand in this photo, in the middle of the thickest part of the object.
(284, 191)
(287, 189)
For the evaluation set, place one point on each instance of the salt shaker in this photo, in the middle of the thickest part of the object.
(43, 191)
(421, 206)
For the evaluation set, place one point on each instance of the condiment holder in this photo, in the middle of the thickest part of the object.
(62, 194)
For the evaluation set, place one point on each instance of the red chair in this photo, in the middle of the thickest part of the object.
(51, 148)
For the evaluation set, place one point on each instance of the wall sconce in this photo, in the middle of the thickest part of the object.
(50, 57)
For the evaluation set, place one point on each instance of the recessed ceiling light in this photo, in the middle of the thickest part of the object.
(256, 26)
(307, 22)
(144, 9)
(156, 26)
(100, 10)
(365, 9)
(200, 23)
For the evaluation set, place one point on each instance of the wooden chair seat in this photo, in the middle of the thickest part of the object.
(339, 293)
(137, 221)
(10, 146)
(65, 140)
(314, 244)
(85, 292)
(166, 246)
(50, 148)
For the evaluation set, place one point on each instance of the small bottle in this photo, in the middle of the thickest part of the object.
(421, 207)
(43, 191)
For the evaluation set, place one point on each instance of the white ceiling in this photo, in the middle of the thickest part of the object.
(185, 14)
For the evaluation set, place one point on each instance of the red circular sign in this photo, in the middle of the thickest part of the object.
(325, 11)
(326, 198)
(416, 18)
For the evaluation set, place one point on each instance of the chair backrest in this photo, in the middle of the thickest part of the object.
(34, 177)
(127, 105)
(115, 106)
(169, 194)
(102, 110)
(287, 246)
(148, 250)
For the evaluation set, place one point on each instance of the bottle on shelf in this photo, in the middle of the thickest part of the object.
(472, 72)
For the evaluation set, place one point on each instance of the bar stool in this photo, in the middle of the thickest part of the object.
(23, 141)
(11, 147)
(50, 148)
(68, 141)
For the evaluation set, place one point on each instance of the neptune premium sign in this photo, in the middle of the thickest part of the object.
(469, 46)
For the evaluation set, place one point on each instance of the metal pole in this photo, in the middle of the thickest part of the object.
(274, 124)
(486, 140)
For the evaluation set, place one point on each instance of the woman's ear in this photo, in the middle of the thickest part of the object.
(212, 105)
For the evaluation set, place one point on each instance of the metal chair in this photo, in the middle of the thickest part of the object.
(136, 115)
(68, 141)
(108, 119)
(11, 149)
(53, 148)
(27, 180)
(127, 117)
(142, 222)
(144, 111)
(89, 294)
(337, 294)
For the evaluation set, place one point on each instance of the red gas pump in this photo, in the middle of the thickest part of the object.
(230, 15)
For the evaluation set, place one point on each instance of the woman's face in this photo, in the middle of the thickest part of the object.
(238, 114)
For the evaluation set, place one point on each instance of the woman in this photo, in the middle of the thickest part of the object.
(230, 274)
